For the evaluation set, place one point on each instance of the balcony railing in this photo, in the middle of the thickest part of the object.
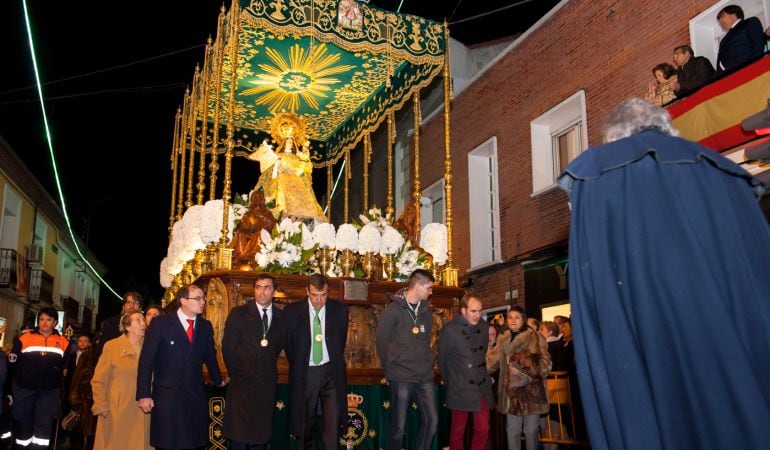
(71, 310)
(8, 268)
(40, 286)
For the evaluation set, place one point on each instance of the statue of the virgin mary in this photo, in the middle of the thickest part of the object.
(286, 173)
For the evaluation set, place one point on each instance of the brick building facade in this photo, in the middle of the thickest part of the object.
(607, 50)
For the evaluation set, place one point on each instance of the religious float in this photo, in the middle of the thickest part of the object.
(295, 86)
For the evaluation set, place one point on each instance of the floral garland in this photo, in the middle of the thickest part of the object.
(287, 249)
(290, 247)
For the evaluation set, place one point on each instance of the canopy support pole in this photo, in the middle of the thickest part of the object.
(367, 161)
(204, 121)
(217, 69)
(183, 153)
(450, 271)
(225, 254)
(416, 194)
(174, 148)
(192, 128)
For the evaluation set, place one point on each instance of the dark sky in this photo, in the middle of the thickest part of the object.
(112, 130)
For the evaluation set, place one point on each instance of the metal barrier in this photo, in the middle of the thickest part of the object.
(558, 427)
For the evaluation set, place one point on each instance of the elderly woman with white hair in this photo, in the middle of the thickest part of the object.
(667, 244)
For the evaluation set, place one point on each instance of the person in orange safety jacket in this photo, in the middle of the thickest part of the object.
(37, 360)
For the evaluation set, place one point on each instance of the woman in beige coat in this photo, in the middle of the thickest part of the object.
(521, 353)
(122, 425)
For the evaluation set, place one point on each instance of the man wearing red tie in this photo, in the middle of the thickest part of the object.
(170, 380)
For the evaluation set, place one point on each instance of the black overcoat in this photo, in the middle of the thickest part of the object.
(298, 351)
(170, 371)
(253, 373)
(462, 351)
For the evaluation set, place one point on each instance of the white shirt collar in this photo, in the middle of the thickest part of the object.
(184, 317)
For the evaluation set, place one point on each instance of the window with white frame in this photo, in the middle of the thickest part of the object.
(432, 205)
(484, 204)
(705, 32)
(566, 146)
(40, 236)
(9, 230)
(558, 136)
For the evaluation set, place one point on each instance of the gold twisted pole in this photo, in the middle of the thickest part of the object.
(183, 154)
(192, 128)
(224, 260)
(450, 272)
(329, 181)
(367, 160)
(174, 152)
(219, 55)
(389, 210)
(347, 178)
(417, 113)
(204, 121)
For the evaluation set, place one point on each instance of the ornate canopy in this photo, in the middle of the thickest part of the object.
(339, 64)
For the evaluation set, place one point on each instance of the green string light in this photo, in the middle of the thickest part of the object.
(53, 157)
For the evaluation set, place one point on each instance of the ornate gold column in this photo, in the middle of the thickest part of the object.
(204, 102)
(192, 129)
(416, 194)
(225, 254)
(174, 151)
(391, 139)
(219, 55)
(367, 161)
(347, 185)
(183, 154)
(329, 182)
(450, 272)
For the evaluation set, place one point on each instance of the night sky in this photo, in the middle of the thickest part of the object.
(121, 120)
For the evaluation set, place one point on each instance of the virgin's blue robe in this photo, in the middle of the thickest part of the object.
(669, 279)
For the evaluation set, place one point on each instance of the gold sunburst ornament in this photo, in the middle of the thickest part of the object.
(304, 78)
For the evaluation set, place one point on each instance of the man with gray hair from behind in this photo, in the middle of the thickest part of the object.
(667, 246)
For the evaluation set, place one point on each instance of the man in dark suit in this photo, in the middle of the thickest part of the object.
(693, 72)
(132, 301)
(170, 380)
(315, 348)
(255, 334)
(744, 41)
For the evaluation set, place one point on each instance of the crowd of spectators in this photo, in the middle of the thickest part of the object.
(744, 42)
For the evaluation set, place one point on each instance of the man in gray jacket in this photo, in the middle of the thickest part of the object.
(403, 342)
(462, 350)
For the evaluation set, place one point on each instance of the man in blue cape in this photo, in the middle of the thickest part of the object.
(670, 290)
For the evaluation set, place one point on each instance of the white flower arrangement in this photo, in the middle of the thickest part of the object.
(369, 239)
(347, 238)
(373, 217)
(325, 235)
(165, 276)
(200, 225)
(287, 249)
(407, 263)
(433, 240)
(392, 241)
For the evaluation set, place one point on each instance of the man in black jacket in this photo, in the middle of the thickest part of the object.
(693, 72)
(318, 331)
(462, 353)
(255, 335)
(403, 342)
